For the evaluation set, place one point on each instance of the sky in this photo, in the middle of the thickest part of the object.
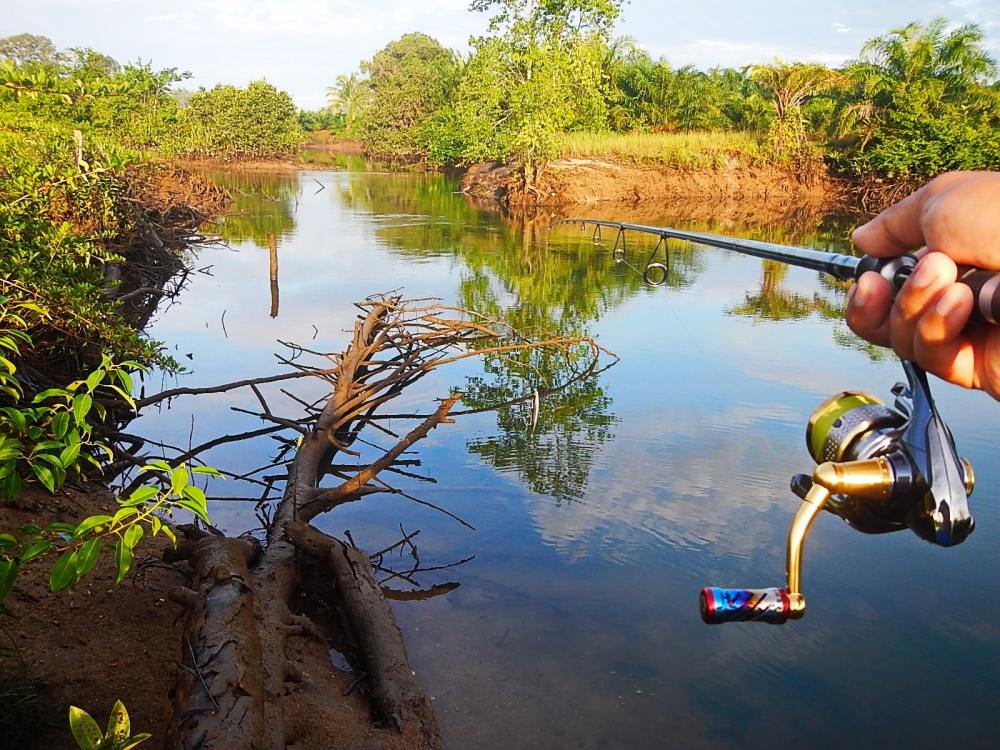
(301, 46)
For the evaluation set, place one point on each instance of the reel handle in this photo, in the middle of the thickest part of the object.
(985, 285)
(772, 605)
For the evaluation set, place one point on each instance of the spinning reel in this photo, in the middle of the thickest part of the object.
(880, 469)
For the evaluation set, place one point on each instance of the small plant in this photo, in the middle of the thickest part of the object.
(77, 548)
(118, 735)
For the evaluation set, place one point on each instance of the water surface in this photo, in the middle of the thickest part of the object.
(576, 625)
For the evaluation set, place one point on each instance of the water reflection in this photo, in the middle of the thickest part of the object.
(576, 625)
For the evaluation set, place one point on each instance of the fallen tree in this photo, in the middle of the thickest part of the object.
(247, 640)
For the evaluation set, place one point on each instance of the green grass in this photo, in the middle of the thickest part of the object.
(697, 150)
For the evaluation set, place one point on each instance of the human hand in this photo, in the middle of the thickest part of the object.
(956, 217)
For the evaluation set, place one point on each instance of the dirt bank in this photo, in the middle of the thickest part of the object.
(594, 182)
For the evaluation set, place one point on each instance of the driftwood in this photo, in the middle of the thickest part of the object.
(238, 671)
(398, 699)
(220, 649)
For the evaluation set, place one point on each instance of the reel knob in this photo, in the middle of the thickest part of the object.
(771, 605)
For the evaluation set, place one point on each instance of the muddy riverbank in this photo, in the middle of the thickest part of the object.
(591, 182)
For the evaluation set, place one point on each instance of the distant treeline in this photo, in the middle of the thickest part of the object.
(922, 99)
(137, 107)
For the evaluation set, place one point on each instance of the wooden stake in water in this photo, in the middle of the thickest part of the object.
(272, 251)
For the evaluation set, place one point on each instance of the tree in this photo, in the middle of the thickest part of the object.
(920, 101)
(348, 97)
(25, 49)
(408, 80)
(539, 73)
(790, 85)
(89, 64)
(227, 122)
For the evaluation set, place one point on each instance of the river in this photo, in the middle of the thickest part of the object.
(576, 623)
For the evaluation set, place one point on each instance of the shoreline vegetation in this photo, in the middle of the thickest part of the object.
(549, 82)
(100, 205)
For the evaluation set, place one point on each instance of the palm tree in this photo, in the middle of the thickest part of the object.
(789, 86)
(940, 65)
(348, 96)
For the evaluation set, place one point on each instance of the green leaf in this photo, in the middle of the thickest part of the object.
(81, 407)
(85, 730)
(63, 572)
(157, 464)
(123, 561)
(45, 476)
(60, 424)
(16, 416)
(178, 480)
(35, 549)
(69, 455)
(195, 508)
(142, 494)
(122, 514)
(91, 522)
(211, 470)
(125, 379)
(169, 534)
(7, 540)
(94, 379)
(8, 574)
(132, 536)
(86, 557)
(50, 393)
(155, 524)
(134, 741)
(118, 725)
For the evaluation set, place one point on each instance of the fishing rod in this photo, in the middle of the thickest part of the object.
(879, 468)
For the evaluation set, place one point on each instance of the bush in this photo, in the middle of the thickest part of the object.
(230, 123)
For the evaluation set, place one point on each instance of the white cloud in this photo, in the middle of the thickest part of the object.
(170, 17)
(843, 28)
(707, 53)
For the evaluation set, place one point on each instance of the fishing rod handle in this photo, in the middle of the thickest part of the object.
(985, 285)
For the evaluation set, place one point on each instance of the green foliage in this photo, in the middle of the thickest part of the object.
(74, 549)
(348, 98)
(52, 437)
(118, 735)
(407, 81)
(918, 102)
(230, 123)
(321, 119)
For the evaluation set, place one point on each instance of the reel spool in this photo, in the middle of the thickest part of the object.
(879, 469)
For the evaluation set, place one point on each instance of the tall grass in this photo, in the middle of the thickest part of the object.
(699, 149)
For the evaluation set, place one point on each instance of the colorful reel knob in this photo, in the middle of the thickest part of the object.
(771, 605)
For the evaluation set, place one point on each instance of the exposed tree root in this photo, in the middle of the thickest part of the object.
(398, 699)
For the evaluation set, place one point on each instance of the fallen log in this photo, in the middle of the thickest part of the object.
(398, 699)
(218, 693)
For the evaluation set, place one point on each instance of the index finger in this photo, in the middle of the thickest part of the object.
(899, 228)
(894, 231)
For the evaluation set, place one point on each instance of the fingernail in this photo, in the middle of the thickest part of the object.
(948, 304)
(857, 294)
(922, 277)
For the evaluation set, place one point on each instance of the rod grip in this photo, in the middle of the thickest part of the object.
(985, 285)
(720, 605)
